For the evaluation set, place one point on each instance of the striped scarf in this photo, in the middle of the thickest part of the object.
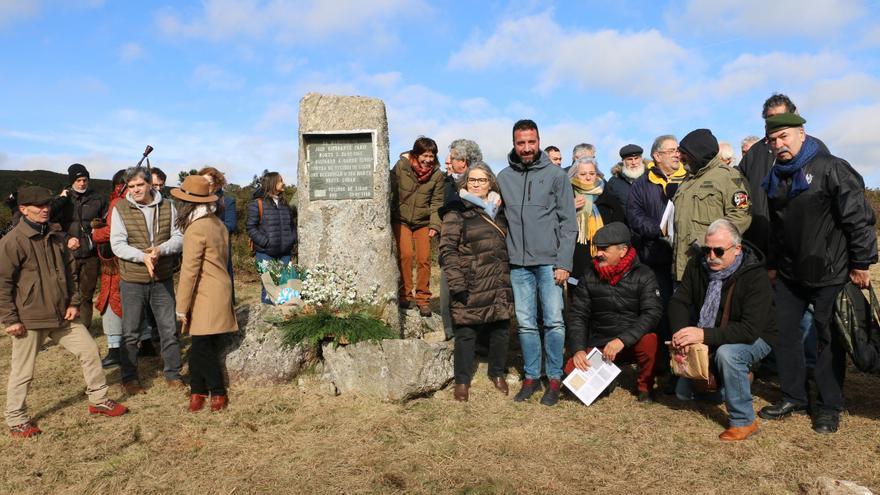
(588, 218)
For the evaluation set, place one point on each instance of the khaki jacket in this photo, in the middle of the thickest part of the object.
(204, 291)
(716, 191)
(37, 277)
(412, 204)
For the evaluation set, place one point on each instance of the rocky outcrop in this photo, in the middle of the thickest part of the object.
(828, 486)
(391, 370)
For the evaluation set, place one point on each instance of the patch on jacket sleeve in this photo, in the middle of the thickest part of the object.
(741, 200)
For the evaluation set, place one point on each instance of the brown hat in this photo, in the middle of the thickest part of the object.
(195, 189)
(34, 195)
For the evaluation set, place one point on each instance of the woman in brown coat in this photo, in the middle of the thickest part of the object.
(473, 256)
(204, 292)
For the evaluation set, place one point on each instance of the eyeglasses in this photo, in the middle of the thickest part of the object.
(673, 150)
(717, 251)
(477, 180)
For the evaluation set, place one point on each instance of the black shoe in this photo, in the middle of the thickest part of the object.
(669, 385)
(551, 395)
(529, 387)
(646, 397)
(404, 304)
(781, 409)
(112, 358)
(146, 349)
(826, 422)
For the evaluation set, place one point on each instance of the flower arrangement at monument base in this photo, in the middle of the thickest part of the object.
(333, 310)
(281, 281)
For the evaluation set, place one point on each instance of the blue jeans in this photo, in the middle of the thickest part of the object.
(527, 281)
(263, 256)
(733, 361)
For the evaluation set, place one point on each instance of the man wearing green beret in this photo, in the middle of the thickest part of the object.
(822, 236)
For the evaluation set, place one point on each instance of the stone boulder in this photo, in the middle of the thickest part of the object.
(255, 354)
(415, 326)
(391, 370)
(828, 486)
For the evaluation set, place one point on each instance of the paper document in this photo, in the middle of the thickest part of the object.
(587, 385)
(667, 222)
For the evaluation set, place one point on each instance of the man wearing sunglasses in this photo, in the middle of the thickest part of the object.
(727, 286)
(823, 235)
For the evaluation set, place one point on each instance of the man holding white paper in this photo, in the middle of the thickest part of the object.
(615, 308)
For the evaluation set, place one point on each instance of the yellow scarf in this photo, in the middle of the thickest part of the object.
(588, 218)
(657, 177)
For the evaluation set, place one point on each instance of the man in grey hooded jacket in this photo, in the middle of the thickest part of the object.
(539, 205)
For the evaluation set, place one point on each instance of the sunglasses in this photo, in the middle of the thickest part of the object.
(717, 251)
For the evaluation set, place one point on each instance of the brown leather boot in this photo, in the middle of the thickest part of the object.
(197, 402)
(461, 392)
(501, 384)
(219, 402)
(737, 433)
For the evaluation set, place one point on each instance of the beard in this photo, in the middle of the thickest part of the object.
(633, 174)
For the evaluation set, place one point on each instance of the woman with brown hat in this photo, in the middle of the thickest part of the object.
(204, 292)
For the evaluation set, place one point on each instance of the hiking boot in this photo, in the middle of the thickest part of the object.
(25, 430)
(425, 310)
(133, 387)
(197, 402)
(219, 402)
(146, 349)
(461, 392)
(551, 395)
(112, 358)
(529, 387)
(108, 408)
(826, 422)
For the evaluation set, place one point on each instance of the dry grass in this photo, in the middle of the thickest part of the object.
(298, 439)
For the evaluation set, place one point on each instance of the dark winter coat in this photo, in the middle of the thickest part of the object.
(754, 166)
(647, 202)
(601, 312)
(274, 234)
(752, 313)
(618, 189)
(473, 256)
(415, 204)
(817, 237)
(75, 212)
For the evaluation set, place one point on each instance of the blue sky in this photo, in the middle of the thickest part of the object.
(219, 81)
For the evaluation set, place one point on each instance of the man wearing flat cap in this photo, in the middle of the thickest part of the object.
(822, 236)
(712, 191)
(39, 299)
(616, 307)
(630, 168)
(78, 208)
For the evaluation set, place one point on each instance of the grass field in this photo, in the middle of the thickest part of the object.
(298, 439)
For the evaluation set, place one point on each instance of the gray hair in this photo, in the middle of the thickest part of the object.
(135, 172)
(581, 147)
(467, 150)
(482, 167)
(749, 140)
(726, 225)
(573, 170)
(658, 142)
(725, 150)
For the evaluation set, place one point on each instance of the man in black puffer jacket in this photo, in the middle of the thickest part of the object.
(728, 288)
(616, 307)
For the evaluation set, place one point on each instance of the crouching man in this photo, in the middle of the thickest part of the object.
(728, 288)
(616, 307)
(39, 298)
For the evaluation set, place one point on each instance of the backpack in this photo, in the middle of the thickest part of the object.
(251, 241)
(857, 322)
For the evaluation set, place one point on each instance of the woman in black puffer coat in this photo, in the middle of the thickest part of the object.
(473, 256)
(273, 232)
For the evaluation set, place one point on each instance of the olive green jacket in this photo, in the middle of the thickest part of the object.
(412, 204)
(716, 191)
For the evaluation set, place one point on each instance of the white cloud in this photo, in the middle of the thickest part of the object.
(289, 20)
(130, 52)
(835, 92)
(763, 19)
(15, 10)
(748, 71)
(216, 78)
(601, 59)
(852, 135)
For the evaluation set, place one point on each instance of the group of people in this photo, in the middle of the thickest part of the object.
(669, 253)
(133, 242)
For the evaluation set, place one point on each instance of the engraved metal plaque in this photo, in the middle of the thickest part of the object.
(340, 166)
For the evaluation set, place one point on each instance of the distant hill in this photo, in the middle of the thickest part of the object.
(11, 180)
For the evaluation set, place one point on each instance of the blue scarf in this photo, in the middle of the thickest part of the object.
(709, 311)
(489, 205)
(793, 169)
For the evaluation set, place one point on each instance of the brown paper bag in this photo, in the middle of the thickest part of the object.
(693, 365)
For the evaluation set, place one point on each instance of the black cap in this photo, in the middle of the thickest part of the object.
(76, 171)
(701, 145)
(631, 150)
(34, 195)
(611, 234)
